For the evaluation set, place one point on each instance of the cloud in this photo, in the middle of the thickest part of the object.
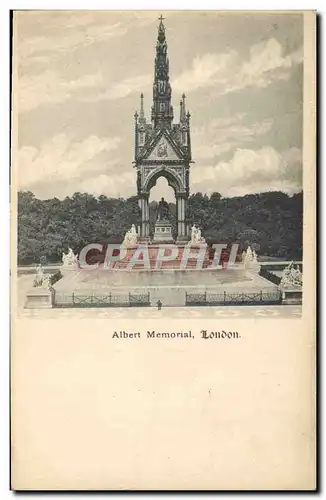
(59, 32)
(66, 37)
(251, 171)
(266, 64)
(228, 72)
(121, 89)
(224, 134)
(49, 88)
(116, 184)
(208, 70)
(59, 159)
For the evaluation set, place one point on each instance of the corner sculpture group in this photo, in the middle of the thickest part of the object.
(69, 261)
(291, 277)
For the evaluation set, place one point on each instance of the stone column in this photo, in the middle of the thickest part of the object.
(144, 208)
(179, 215)
(182, 225)
(176, 216)
(143, 215)
(185, 218)
(140, 204)
(146, 211)
(181, 212)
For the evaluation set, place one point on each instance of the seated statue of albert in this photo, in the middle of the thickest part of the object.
(163, 211)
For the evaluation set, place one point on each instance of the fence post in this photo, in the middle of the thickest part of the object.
(73, 298)
(261, 295)
(129, 298)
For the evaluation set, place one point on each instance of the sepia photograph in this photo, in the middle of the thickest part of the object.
(162, 172)
(169, 176)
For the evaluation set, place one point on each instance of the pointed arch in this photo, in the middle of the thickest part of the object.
(170, 175)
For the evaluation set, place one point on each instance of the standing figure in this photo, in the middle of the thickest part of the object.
(163, 210)
(70, 258)
(39, 276)
(193, 234)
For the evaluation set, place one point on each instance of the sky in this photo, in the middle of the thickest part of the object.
(79, 79)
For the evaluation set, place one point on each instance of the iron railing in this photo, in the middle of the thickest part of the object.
(108, 300)
(236, 298)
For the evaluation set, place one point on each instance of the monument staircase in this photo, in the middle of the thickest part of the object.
(165, 264)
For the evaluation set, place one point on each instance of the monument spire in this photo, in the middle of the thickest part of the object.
(182, 109)
(141, 113)
(162, 111)
(162, 148)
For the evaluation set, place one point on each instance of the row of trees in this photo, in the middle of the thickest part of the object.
(270, 222)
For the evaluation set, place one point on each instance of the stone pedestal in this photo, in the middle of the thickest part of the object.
(291, 296)
(253, 267)
(183, 240)
(144, 240)
(69, 267)
(39, 298)
(163, 232)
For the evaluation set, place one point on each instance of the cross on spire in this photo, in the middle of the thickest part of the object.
(162, 111)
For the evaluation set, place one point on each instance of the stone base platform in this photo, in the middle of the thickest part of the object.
(39, 298)
(170, 286)
(291, 296)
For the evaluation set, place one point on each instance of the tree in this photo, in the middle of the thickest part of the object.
(269, 222)
(215, 199)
